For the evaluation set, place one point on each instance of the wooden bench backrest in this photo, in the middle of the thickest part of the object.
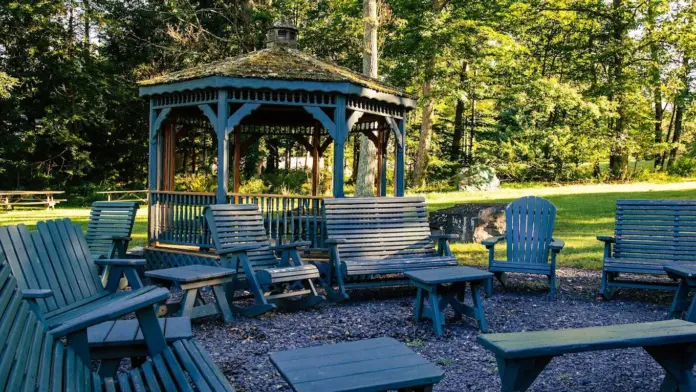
(379, 227)
(109, 218)
(235, 224)
(529, 224)
(55, 257)
(30, 358)
(656, 230)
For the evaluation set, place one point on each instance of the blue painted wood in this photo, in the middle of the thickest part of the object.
(109, 228)
(325, 120)
(33, 359)
(223, 146)
(242, 245)
(369, 237)
(210, 114)
(370, 365)
(153, 149)
(521, 356)
(340, 135)
(223, 82)
(530, 222)
(400, 167)
(648, 235)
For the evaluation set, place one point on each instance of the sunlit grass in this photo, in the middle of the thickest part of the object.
(584, 211)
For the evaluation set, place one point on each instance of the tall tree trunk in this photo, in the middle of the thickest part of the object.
(367, 164)
(655, 79)
(682, 103)
(421, 161)
(618, 159)
(455, 154)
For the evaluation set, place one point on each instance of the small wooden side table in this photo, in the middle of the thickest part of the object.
(370, 365)
(450, 285)
(686, 275)
(190, 279)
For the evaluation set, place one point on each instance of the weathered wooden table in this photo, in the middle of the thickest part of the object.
(372, 365)
(191, 279)
(450, 285)
(686, 275)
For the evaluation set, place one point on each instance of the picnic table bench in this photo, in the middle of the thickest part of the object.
(686, 275)
(9, 199)
(522, 356)
(649, 234)
(377, 236)
(371, 365)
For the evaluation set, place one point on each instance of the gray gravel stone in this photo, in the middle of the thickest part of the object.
(241, 348)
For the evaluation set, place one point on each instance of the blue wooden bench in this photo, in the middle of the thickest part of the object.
(109, 228)
(34, 359)
(529, 235)
(55, 269)
(242, 243)
(377, 236)
(522, 356)
(648, 235)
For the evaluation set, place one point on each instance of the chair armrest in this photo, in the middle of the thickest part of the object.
(335, 241)
(37, 293)
(490, 242)
(556, 245)
(607, 239)
(116, 237)
(121, 262)
(292, 245)
(444, 236)
(239, 248)
(112, 311)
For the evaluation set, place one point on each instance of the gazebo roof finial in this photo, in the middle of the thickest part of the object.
(282, 33)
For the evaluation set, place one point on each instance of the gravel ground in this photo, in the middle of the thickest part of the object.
(241, 348)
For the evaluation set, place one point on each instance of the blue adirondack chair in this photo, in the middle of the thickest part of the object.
(530, 221)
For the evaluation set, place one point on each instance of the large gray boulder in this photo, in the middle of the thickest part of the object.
(473, 222)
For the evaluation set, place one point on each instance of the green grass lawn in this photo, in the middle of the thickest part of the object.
(584, 211)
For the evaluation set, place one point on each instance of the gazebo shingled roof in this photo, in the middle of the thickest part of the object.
(281, 63)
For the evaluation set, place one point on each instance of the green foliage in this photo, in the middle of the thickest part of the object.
(682, 167)
(196, 182)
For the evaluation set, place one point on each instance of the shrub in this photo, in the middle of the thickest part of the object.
(682, 167)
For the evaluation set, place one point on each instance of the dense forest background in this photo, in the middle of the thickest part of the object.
(540, 90)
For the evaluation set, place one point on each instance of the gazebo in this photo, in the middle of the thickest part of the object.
(275, 92)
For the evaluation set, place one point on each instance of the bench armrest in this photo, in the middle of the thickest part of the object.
(335, 241)
(298, 244)
(239, 249)
(556, 245)
(444, 236)
(36, 293)
(606, 238)
(116, 237)
(121, 262)
(491, 242)
(113, 311)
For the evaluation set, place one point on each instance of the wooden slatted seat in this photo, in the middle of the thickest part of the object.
(109, 228)
(369, 237)
(241, 242)
(648, 235)
(529, 235)
(54, 265)
(33, 359)
(522, 356)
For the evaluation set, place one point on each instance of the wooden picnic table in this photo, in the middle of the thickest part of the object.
(449, 284)
(371, 365)
(686, 275)
(10, 199)
(141, 196)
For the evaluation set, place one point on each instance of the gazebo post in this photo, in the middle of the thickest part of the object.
(152, 162)
(384, 139)
(237, 158)
(341, 133)
(380, 158)
(223, 162)
(399, 180)
(315, 160)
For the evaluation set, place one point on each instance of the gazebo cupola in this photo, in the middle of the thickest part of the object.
(278, 91)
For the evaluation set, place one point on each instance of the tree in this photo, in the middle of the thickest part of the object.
(365, 180)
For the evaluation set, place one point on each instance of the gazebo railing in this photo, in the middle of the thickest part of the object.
(176, 218)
